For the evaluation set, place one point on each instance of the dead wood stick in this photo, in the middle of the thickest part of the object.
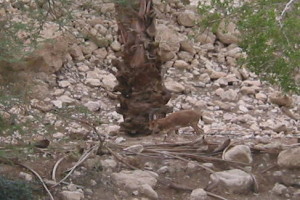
(183, 159)
(118, 158)
(205, 158)
(81, 160)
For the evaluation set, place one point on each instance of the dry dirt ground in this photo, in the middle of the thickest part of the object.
(176, 184)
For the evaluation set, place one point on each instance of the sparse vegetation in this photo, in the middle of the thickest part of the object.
(15, 190)
(270, 36)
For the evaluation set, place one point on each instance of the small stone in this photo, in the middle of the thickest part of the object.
(204, 78)
(199, 194)
(186, 18)
(71, 195)
(186, 45)
(239, 153)
(93, 106)
(181, 64)
(64, 84)
(83, 68)
(163, 170)
(279, 189)
(118, 140)
(249, 90)
(174, 86)
(216, 75)
(115, 45)
(57, 103)
(58, 135)
(207, 37)
(108, 164)
(235, 180)
(26, 176)
(289, 158)
(148, 191)
(228, 33)
(93, 82)
(261, 96)
(65, 99)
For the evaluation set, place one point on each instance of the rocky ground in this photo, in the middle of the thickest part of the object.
(67, 99)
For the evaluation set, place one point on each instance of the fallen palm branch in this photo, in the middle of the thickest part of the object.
(79, 162)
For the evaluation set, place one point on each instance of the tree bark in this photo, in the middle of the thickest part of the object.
(139, 71)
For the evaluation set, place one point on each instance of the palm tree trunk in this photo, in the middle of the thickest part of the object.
(139, 71)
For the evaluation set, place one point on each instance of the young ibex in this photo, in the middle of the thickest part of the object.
(177, 120)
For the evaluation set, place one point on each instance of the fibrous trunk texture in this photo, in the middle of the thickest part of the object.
(139, 71)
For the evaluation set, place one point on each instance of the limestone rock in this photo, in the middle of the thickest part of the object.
(289, 158)
(93, 105)
(174, 86)
(115, 45)
(207, 37)
(279, 189)
(228, 33)
(239, 153)
(229, 95)
(71, 195)
(76, 52)
(137, 180)
(186, 18)
(181, 64)
(186, 45)
(199, 194)
(235, 180)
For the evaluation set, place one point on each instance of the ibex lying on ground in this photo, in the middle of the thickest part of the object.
(177, 120)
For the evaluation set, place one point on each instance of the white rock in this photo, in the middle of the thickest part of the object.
(64, 84)
(228, 33)
(132, 180)
(100, 53)
(93, 82)
(83, 68)
(204, 78)
(261, 96)
(109, 81)
(181, 64)
(186, 18)
(65, 99)
(289, 158)
(279, 189)
(199, 194)
(206, 37)
(58, 135)
(93, 105)
(229, 95)
(148, 191)
(108, 164)
(76, 52)
(234, 180)
(57, 103)
(216, 75)
(26, 176)
(71, 195)
(115, 45)
(174, 86)
(240, 153)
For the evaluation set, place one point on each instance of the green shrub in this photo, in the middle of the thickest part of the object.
(270, 37)
(14, 190)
